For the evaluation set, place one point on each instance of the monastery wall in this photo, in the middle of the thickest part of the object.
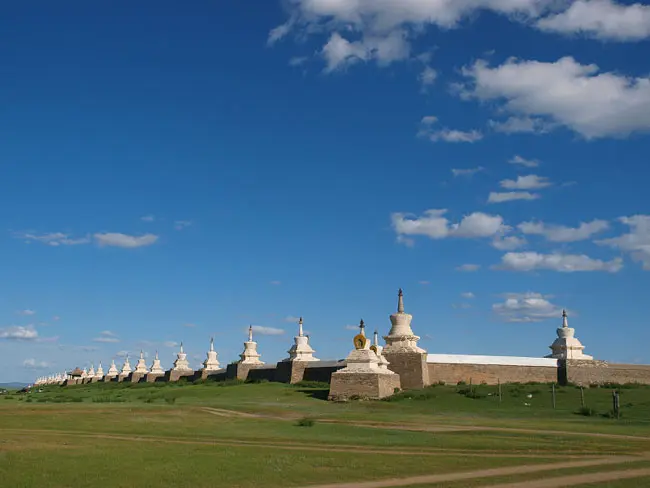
(451, 369)
(586, 373)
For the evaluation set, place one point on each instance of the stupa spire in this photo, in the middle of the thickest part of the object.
(211, 363)
(211, 344)
(565, 321)
(400, 301)
(567, 346)
(250, 354)
(375, 339)
(250, 333)
(300, 334)
(401, 337)
(301, 350)
(362, 328)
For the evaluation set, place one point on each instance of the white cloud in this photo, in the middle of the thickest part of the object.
(170, 344)
(601, 19)
(467, 294)
(499, 197)
(468, 268)
(33, 364)
(52, 238)
(529, 182)
(564, 263)
(262, 330)
(116, 239)
(298, 60)
(577, 96)
(122, 354)
(636, 242)
(19, 333)
(148, 218)
(469, 172)
(340, 52)
(526, 307)
(424, 282)
(352, 327)
(428, 131)
(561, 233)
(528, 163)
(106, 336)
(291, 319)
(428, 77)
(508, 243)
(435, 226)
(26, 312)
(520, 124)
(182, 224)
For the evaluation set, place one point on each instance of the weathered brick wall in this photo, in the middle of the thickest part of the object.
(262, 373)
(490, 374)
(412, 369)
(599, 372)
(321, 373)
(363, 385)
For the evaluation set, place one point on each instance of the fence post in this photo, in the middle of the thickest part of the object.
(553, 396)
(582, 397)
(617, 403)
(499, 382)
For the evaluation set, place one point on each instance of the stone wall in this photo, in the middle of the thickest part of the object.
(587, 373)
(411, 368)
(490, 374)
(346, 386)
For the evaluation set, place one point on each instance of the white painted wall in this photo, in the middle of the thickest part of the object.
(500, 360)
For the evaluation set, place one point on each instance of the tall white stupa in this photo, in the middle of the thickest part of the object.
(181, 363)
(99, 372)
(91, 371)
(401, 338)
(211, 363)
(156, 368)
(112, 370)
(301, 350)
(566, 346)
(250, 354)
(141, 366)
(126, 367)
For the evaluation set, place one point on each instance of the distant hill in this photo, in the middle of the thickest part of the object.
(13, 385)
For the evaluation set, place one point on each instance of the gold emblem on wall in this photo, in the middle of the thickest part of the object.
(373, 348)
(360, 341)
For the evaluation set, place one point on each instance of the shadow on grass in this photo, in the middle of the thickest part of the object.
(318, 394)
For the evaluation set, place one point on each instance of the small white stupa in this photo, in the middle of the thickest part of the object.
(301, 350)
(181, 363)
(211, 363)
(379, 350)
(112, 371)
(99, 373)
(250, 354)
(126, 367)
(141, 366)
(566, 346)
(156, 368)
(91, 371)
(401, 337)
(84, 374)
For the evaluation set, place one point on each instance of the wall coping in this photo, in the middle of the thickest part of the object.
(497, 360)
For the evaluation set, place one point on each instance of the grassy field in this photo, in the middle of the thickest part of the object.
(243, 435)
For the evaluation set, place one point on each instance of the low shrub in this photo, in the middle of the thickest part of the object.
(321, 385)
(306, 422)
(586, 411)
(9, 397)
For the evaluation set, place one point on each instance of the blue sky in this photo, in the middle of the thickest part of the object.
(171, 171)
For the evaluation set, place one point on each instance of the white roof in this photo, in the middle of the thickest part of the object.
(500, 360)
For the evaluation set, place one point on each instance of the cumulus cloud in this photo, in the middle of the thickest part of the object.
(170, 344)
(520, 124)
(529, 182)
(527, 163)
(19, 333)
(468, 268)
(508, 243)
(564, 263)
(116, 239)
(340, 52)
(601, 19)
(106, 336)
(26, 312)
(34, 364)
(508, 196)
(526, 307)
(434, 225)
(468, 172)
(298, 61)
(561, 233)
(427, 77)
(262, 330)
(52, 238)
(428, 130)
(592, 103)
(636, 242)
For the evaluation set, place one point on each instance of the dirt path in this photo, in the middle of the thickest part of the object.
(506, 471)
(295, 446)
(577, 479)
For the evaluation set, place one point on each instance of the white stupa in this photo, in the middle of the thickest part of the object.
(126, 367)
(99, 372)
(301, 350)
(379, 350)
(112, 371)
(91, 371)
(141, 366)
(84, 374)
(566, 346)
(181, 363)
(363, 359)
(156, 368)
(211, 363)
(401, 338)
(250, 354)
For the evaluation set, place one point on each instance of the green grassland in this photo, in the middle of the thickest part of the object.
(236, 434)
